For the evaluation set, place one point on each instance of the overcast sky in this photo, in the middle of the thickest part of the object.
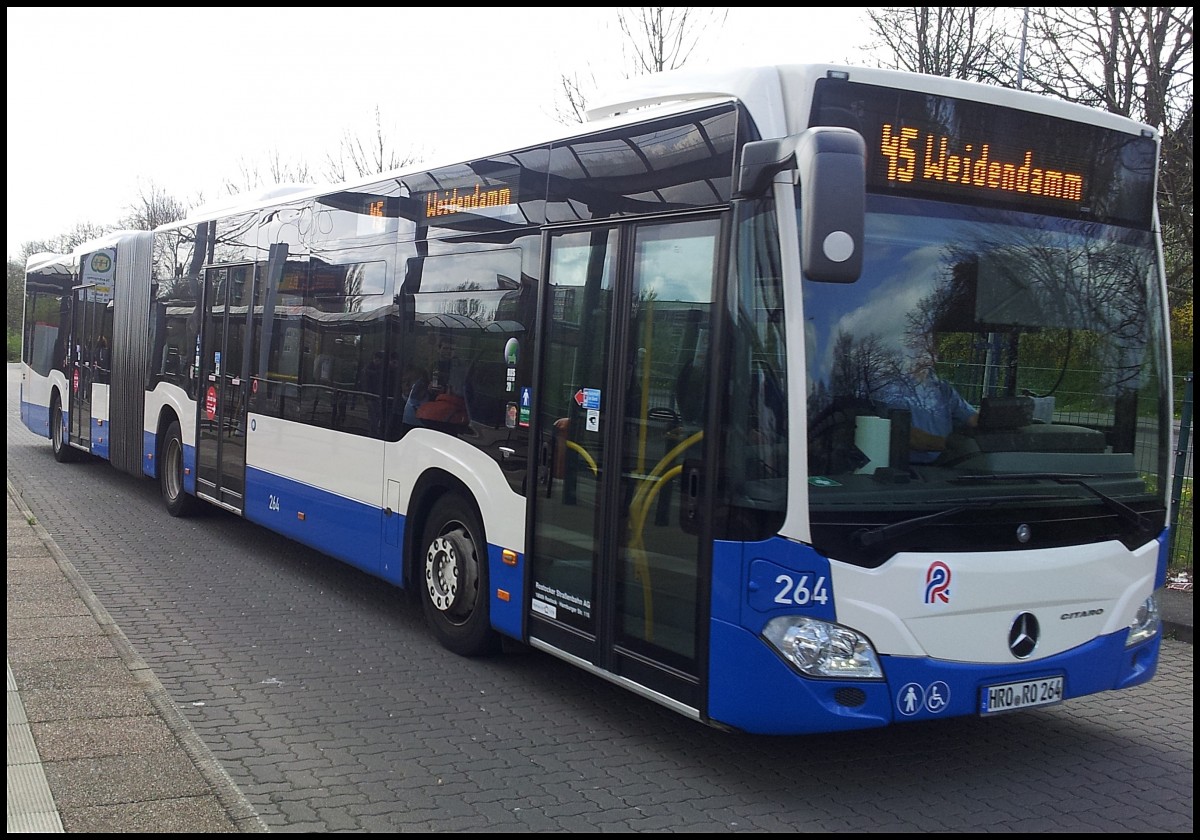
(105, 101)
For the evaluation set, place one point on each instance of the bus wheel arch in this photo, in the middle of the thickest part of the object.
(449, 568)
(171, 469)
(63, 451)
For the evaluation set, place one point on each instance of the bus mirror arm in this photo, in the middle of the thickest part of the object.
(761, 161)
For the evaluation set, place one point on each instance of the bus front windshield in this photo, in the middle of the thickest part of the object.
(989, 370)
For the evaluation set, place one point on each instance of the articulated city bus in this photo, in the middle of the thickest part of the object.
(796, 399)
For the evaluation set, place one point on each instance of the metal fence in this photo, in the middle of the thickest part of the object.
(1181, 486)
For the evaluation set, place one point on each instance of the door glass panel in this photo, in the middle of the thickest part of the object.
(213, 364)
(666, 395)
(567, 538)
(221, 450)
(235, 381)
(616, 549)
(81, 383)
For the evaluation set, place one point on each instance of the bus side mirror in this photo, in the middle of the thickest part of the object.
(831, 164)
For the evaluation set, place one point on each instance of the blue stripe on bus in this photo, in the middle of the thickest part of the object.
(150, 461)
(353, 532)
(36, 418)
(343, 528)
(149, 456)
(99, 441)
(761, 566)
(772, 699)
(506, 615)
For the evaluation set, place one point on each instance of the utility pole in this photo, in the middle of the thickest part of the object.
(1021, 58)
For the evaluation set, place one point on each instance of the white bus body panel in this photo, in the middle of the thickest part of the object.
(358, 468)
(36, 390)
(1078, 592)
(166, 396)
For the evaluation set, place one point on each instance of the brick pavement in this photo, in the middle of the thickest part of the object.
(94, 742)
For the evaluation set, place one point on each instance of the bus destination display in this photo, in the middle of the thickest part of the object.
(913, 155)
(972, 152)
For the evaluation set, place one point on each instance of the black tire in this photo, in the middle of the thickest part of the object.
(64, 453)
(170, 475)
(452, 578)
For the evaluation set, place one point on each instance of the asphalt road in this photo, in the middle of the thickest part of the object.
(322, 695)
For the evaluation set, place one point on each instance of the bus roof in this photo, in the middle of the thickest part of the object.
(765, 89)
(48, 261)
(778, 97)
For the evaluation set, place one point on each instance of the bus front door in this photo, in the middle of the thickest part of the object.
(618, 553)
(224, 378)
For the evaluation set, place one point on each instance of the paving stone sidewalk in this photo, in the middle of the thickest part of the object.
(94, 742)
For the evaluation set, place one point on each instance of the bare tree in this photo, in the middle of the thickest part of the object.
(360, 157)
(656, 38)
(659, 38)
(960, 42)
(252, 177)
(65, 243)
(16, 299)
(153, 207)
(1125, 60)
(1133, 61)
(573, 106)
(1137, 62)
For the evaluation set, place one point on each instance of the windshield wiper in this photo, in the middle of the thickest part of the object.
(1127, 514)
(870, 536)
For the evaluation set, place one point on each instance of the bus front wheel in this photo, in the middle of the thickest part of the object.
(454, 579)
(170, 474)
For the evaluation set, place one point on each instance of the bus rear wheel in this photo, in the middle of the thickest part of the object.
(454, 579)
(170, 475)
(63, 451)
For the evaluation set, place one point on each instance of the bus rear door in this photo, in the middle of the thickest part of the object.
(84, 332)
(91, 334)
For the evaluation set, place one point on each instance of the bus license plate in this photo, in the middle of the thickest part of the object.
(1009, 697)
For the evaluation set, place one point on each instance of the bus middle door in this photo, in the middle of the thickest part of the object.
(224, 385)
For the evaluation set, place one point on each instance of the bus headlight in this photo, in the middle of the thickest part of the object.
(820, 649)
(1145, 623)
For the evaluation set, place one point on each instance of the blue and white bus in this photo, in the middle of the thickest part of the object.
(634, 396)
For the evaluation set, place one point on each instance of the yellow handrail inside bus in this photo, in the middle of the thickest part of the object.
(638, 509)
(586, 457)
(644, 372)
